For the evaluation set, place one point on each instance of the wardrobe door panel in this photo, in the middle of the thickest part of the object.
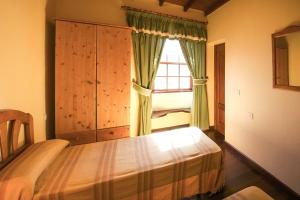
(113, 133)
(75, 80)
(113, 76)
(79, 137)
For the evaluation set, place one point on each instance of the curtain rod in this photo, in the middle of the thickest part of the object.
(162, 14)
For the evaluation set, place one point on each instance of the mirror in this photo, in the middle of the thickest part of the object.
(286, 58)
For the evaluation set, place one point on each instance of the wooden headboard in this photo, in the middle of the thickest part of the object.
(11, 122)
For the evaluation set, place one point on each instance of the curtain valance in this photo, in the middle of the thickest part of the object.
(165, 27)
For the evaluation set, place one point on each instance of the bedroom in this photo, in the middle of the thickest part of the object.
(262, 122)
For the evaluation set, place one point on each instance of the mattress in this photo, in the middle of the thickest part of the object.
(166, 165)
(250, 193)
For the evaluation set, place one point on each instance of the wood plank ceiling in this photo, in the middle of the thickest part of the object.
(207, 6)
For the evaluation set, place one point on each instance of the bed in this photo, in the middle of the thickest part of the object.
(167, 165)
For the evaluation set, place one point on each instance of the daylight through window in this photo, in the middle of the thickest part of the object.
(173, 74)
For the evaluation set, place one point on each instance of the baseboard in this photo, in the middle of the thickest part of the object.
(211, 128)
(170, 128)
(263, 171)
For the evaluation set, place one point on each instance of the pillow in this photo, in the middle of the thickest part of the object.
(17, 180)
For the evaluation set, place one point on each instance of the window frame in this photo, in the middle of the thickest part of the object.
(167, 63)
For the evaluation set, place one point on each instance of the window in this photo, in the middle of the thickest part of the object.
(173, 74)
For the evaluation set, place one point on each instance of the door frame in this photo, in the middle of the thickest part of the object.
(215, 86)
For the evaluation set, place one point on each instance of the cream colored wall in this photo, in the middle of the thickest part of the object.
(172, 119)
(22, 61)
(110, 12)
(272, 137)
(166, 101)
(98, 11)
(294, 61)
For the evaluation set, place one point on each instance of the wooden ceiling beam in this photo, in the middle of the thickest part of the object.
(215, 7)
(187, 5)
(162, 14)
(161, 2)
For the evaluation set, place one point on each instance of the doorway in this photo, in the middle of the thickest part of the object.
(219, 58)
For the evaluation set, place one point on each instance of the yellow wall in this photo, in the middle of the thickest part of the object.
(110, 12)
(272, 138)
(294, 61)
(22, 60)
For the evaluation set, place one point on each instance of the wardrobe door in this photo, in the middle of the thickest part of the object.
(75, 82)
(113, 133)
(113, 77)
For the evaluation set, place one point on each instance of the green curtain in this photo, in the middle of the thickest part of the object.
(147, 52)
(148, 37)
(165, 26)
(194, 53)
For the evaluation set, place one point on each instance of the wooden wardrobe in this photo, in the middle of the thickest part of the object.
(92, 82)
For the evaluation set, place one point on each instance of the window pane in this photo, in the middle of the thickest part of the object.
(163, 57)
(184, 70)
(171, 45)
(185, 83)
(173, 56)
(162, 70)
(160, 83)
(181, 58)
(173, 50)
(173, 83)
(172, 76)
(173, 70)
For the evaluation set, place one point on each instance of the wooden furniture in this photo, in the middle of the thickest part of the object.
(109, 133)
(92, 72)
(285, 47)
(11, 122)
(52, 169)
(207, 6)
(239, 162)
(113, 79)
(249, 193)
(162, 113)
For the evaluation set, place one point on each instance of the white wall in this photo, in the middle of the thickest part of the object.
(272, 138)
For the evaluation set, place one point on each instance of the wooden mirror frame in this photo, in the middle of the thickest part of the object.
(289, 29)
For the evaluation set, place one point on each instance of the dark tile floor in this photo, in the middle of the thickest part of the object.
(239, 175)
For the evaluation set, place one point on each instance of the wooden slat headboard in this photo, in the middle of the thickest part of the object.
(10, 127)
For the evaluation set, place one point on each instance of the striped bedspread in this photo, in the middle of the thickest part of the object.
(166, 165)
